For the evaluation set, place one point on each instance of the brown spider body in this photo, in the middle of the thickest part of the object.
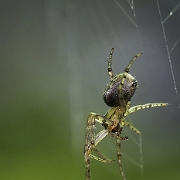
(117, 95)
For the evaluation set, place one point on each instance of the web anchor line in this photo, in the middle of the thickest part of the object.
(169, 57)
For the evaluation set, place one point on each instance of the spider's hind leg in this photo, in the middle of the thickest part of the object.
(91, 140)
(100, 157)
(119, 155)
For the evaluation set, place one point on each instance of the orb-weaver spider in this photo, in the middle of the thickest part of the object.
(117, 95)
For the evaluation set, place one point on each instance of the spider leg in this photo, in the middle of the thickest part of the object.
(100, 136)
(126, 71)
(110, 73)
(91, 140)
(144, 106)
(100, 157)
(119, 156)
(131, 62)
(124, 122)
(136, 108)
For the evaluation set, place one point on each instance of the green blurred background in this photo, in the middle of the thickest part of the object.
(53, 71)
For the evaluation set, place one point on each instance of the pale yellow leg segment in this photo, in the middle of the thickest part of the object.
(127, 123)
(131, 62)
(100, 157)
(100, 136)
(110, 72)
(119, 156)
(144, 106)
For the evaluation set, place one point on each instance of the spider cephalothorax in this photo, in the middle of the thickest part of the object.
(117, 95)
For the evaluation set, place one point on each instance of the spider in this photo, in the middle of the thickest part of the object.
(117, 95)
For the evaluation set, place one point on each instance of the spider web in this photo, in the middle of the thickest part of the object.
(119, 24)
(170, 49)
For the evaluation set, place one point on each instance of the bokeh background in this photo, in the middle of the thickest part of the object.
(53, 70)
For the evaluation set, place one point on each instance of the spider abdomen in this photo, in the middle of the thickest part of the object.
(110, 96)
(118, 90)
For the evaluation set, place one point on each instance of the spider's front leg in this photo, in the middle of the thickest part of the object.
(91, 140)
